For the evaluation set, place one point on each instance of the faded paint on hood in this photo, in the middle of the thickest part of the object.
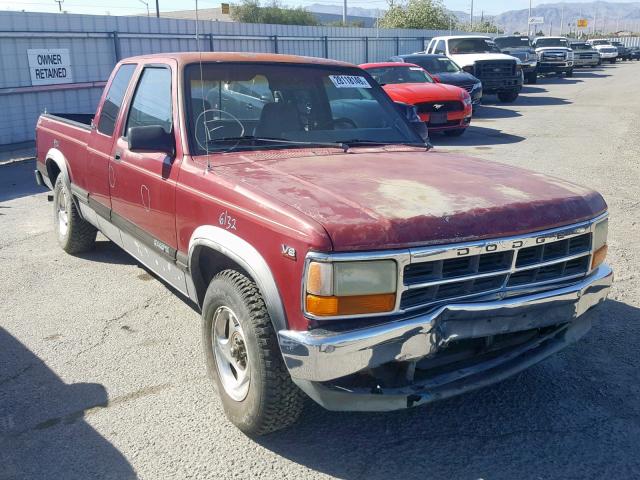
(423, 92)
(395, 197)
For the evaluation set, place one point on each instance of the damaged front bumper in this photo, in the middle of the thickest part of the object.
(317, 359)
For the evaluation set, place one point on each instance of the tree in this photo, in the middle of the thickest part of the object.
(250, 11)
(420, 14)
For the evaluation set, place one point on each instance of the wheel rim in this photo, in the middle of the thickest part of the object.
(63, 215)
(230, 353)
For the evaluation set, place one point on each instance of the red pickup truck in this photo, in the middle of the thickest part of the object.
(330, 252)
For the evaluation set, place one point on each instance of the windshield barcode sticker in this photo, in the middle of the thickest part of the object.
(349, 81)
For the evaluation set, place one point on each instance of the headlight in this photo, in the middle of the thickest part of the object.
(466, 98)
(600, 243)
(351, 288)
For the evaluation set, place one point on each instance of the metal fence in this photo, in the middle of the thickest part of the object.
(96, 43)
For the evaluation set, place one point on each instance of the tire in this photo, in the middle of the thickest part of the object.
(75, 235)
(457, 132)
(532, 77)
(612, 61)
(569, 73)
(261, 397)
(507, 97)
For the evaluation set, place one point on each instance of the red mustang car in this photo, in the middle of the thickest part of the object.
(443, 107)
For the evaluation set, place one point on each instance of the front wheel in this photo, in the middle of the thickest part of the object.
(243, 357)
(532, 77)
(507, 97)
(454, 132)
(569, 73)
(75, 235)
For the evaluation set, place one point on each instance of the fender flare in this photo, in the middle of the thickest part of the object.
(56, 156)
(245, 255)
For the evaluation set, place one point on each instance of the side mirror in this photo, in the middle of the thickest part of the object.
(411, 114)
(151, 138)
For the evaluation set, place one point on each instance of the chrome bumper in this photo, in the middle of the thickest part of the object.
(320, 356)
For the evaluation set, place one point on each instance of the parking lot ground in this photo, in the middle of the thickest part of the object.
(101, 374)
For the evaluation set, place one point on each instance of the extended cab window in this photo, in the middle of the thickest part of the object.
(151, 103)
(113, 100)
(440, 48)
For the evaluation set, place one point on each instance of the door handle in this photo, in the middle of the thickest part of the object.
(117, 156)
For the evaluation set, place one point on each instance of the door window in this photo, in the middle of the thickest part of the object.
(151, 103)
(440, 48)
(113, 100)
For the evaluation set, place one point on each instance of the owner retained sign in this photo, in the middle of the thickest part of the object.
(49, 66)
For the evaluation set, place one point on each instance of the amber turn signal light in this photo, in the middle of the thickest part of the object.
(599, 256)
(353, 305)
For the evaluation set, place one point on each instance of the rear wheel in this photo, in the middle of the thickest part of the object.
(507, 97)
(532, 77)
(75, 235)
(243, 357)
(455, 132)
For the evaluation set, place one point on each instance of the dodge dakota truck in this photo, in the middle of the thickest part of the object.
(331, 253)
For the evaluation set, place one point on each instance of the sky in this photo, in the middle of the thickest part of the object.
(134, 7)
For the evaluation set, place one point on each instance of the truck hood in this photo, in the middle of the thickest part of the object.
(466, 59)
(552, 49)
(422, 92)
(397, 197)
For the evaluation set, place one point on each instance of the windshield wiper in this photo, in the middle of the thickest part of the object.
(355, 142)
(270, 141)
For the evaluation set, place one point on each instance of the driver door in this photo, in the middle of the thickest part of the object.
(144, 183)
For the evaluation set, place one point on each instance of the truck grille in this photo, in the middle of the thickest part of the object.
(430, 107)
(554, 56)
(462, 272)
(495, 68)
(587, 56)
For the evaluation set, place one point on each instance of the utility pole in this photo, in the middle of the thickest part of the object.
(562, 20)
(59, 2)
(158, 8)
(471, 22)
(550, 28)
(344, 13)
(146, 4)
(528, 20)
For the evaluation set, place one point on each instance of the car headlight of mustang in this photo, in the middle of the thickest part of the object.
(466, 98)
(350, 287)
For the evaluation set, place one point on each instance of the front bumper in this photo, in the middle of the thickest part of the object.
(545, 67)
(316, 357)
(586, 62)
(497, 85)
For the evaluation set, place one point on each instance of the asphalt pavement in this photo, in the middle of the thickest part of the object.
(101, 374)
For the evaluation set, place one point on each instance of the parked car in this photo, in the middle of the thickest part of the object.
(607, 52)
(635, 53)
(519, 46)
(554, 55)
(584, 55)
(329, 254)
(623, 52)
(443, 108)
(500, 74)
(444, 70)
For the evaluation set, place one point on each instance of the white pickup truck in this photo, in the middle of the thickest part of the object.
(607, 51)
(554, 55)
(499, 73)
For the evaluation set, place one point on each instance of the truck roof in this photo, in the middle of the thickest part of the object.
(194, 57)
(448, 37)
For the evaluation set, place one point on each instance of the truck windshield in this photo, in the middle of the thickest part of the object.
(512, 42)
(581, 46)
(235, 106)
(472, 45)
(552, 42)
(434, 65)
(403, 74)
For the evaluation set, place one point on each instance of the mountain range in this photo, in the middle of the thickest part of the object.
(606, 16)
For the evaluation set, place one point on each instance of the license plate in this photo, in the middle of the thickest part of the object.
(437, 118)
